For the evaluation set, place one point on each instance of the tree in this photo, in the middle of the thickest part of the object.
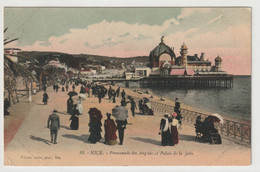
(39, 65)
(13, 70)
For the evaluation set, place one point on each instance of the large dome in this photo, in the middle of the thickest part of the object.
(159, 50)
(218, 59)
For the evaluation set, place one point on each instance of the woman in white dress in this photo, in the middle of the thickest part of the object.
(79, 106)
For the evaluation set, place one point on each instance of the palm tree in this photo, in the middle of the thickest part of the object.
(13, 70)
(39, 65)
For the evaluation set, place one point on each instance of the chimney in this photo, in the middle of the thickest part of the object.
(202, 56)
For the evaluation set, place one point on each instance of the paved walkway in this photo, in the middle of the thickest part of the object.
(31, 144)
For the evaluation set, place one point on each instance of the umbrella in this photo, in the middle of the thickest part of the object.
(83, 96)
(215, 117)
(174, 114)
(95, 114)
(120, 112)
(72, 93)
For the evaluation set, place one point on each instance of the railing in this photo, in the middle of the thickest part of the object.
(230, 128)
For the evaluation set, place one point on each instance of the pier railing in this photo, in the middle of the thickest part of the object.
(229, 128)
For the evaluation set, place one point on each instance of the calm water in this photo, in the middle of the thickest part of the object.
(233, 102)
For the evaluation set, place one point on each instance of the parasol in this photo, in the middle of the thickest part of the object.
(83, 96)
(95, 114)
(72, 93)
(174, 114)
(120, 112)
(215, 117)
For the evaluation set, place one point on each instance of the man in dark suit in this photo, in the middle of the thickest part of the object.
(54, 125)
(121, 126)
(177, 106)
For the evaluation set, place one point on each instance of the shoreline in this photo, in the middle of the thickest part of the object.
(184, 106)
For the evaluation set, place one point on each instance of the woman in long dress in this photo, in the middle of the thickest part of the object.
(70, 105)
(110, 130)
(79, 106)
(174, 130)
(95, 125)
(74, 125)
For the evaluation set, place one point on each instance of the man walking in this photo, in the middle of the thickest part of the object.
(45, 98)
(133, 107)
(121, 126)
(54, 125)
(177, 110)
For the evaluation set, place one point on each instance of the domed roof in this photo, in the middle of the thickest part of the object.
(159, 50)
(184, 46)
(218, 59)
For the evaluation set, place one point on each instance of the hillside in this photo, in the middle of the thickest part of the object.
(73, 60)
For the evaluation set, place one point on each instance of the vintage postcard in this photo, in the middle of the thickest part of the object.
(127, 86)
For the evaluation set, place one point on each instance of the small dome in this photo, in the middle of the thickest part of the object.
(184, 46)
(218, 59)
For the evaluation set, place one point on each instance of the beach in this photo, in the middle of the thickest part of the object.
(27, 140)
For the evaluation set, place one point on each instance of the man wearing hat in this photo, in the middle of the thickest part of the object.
(54, 125)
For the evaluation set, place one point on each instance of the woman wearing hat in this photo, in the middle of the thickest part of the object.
(165, 131)
(110, 130)
(174, 128)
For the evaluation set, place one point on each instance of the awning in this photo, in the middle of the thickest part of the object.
(177, 72)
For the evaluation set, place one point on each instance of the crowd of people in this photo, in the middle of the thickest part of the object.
(89, 89)
(169, 125)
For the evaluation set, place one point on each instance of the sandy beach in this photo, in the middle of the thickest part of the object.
(27, 140)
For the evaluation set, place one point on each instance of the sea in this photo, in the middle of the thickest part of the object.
(232, 102)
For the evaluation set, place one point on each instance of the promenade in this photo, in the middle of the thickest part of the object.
(30, 145)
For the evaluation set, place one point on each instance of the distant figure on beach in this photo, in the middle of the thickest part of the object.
(123, 102)
(140, 105)
(62, 89)
(121, 126)
(82, 89)
(110, 130)
(90, 92)
(44, 87)
(73, 87)
(100, 95)
(177, 106)
(79, 106)
(109, 93)
(117, 92)
(69, 105)
(165, 131)
(133, 107)
(45, 98)
(57, 88)
(6, 106)
(123, 94)
(177, 110)
(67, 87)
(74, 125)
(114, 96)
(54, 125)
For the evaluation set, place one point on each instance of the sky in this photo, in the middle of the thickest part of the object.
(127, 32)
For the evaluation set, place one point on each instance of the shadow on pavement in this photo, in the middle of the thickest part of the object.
(39, 103)
(147, 140)
(188, 138)
(65, 127)
(40, 140)
(83, 137)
